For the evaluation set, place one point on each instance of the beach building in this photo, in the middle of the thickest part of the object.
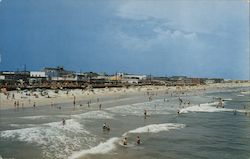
(14, 79)
(53, 73)
(35, 74)
(130, 78)
(37, 77)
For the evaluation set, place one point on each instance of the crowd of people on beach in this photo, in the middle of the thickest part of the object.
(150, 95)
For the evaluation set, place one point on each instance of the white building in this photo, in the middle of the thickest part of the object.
(37, 74)
(132, 76)
(209, 81)
(2, 77)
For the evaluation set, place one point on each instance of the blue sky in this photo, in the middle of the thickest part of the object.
(207, 38)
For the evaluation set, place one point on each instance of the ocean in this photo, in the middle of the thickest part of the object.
(201, 130)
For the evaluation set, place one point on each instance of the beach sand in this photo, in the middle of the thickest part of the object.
(82, 97)
(42, 132)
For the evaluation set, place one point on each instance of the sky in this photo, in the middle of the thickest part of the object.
(206, 38)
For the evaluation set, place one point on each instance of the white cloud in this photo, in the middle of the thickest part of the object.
(191, 16)
(164, 39)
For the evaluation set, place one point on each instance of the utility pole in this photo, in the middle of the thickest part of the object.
(116, 78)
(150, 79)
(24, 67)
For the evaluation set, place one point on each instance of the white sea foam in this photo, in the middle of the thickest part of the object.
(240, 95)
(155, 128)
(245, 92)
(228, 99)
(138, 108)
(206, 107)
(22, 125)
(102, 148)
(94, 115)
(34, 117)
(55, 140)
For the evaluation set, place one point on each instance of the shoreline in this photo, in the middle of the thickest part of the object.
(29, 99)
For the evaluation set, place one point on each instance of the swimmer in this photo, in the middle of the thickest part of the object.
(104, 125)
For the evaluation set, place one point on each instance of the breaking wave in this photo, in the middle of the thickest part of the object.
(155, 128)
(102, 148)
(94, 115)
(55, 140)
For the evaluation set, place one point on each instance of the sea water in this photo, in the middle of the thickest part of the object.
(201, 130)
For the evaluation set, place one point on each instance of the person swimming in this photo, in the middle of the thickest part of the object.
(178, 111)
(105, 127)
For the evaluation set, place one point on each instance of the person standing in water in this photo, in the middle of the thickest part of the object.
(125, 142)
(235, 111)
(74, 101)
(138, 140)
(63, 122)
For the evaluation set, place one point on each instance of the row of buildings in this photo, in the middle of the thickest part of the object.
(58, 77)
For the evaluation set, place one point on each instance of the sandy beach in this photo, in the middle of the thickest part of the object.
(56, 128)
(22, 99)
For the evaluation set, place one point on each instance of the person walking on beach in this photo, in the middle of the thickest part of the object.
(100, 106)
(34, 105)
